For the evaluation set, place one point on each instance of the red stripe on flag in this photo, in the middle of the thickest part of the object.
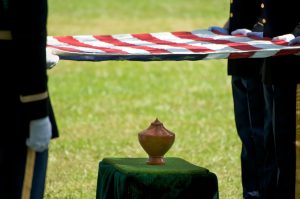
(284, 51)
(287, 52)
(116, 42)
(65, 48)
(236, 45)
(150, 38)
(240, 55)
(72, 41)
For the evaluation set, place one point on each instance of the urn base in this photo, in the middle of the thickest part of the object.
(156, 160)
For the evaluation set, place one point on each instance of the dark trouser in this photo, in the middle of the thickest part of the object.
(280, 141)
(249, 118)
(22, 171)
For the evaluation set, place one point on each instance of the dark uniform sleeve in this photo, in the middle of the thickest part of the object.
(244, 14)
(296, 31)
(29, 21)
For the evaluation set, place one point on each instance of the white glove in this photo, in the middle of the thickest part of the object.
(294, 41)
(286, 38)
(218, 29)
(40, 133)
(248, 33)
(51, 59)
(242, 31)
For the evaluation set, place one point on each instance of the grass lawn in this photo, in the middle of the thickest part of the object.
(102, 106)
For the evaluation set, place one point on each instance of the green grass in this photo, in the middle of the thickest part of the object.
(102, 106)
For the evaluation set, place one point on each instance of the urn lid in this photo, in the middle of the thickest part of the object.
(157, 128)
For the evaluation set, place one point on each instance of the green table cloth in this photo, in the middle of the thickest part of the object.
(132, 178)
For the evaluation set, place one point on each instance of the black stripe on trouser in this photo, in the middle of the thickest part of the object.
(298, 143)
(34, 175)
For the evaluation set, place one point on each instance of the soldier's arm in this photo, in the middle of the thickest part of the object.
(29, 19)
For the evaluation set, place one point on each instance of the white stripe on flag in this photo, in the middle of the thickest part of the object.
(209, 45)
(264, 53)
(231, 38)
(90, 40)
(218, 55)
(128, 38)
(54, 42)
(164, 36)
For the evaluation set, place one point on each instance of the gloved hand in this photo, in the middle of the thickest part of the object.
(286, 38)
(259, 35)
(242, 31)
(218, 29)
(51, 59)
(295, 41)
(248, 33)
(40, 133)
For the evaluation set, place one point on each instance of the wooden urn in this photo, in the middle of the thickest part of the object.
(156, 140)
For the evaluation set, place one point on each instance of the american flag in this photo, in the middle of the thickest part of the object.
(164, 46)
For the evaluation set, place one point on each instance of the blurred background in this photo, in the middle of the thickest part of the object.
(102, 106)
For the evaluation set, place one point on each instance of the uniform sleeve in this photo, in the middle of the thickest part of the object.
(29, 21)
(296, 31)
(244, 14)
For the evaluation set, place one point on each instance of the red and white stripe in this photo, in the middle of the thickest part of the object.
(197, 42)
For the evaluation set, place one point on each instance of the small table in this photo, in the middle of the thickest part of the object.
(132, 178)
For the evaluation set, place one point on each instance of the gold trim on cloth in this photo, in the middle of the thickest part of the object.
(29, 169)
(298, 143)
(5, 35)
(33, 98)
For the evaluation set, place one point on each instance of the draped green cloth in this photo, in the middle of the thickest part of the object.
(132, 178)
